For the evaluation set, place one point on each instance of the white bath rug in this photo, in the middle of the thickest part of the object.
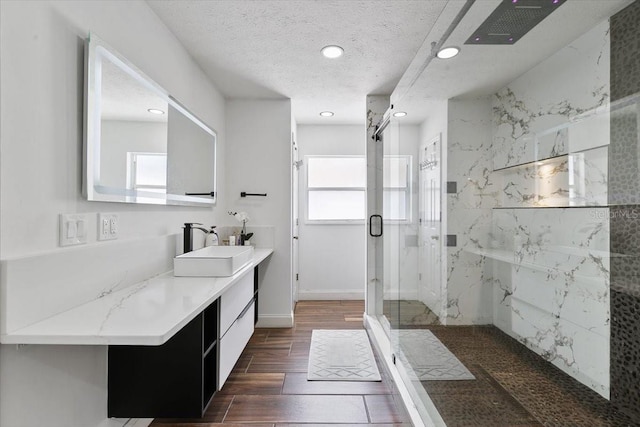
(341, 355)
(427, 356)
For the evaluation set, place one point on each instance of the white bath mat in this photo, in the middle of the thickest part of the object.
(428, 357)
(341, 355)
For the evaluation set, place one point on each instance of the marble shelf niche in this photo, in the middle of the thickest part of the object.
(561, 167)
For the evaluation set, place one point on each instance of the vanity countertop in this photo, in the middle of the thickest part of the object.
(147, 313)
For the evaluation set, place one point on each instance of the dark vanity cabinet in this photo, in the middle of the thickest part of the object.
(173, 380)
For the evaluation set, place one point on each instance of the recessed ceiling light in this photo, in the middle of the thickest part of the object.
(332, 51)
(399, 114)
(326, 113)
(155, 111)
(448, 52)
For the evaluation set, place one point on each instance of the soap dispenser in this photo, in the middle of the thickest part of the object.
(212, 237)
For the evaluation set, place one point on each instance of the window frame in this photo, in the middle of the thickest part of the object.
(309, 190)
(408, 190)
(132, 184)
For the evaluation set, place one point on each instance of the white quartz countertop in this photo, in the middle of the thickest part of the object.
(147, 313)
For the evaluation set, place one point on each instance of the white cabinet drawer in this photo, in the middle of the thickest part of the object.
(233, 342)
(233, 301)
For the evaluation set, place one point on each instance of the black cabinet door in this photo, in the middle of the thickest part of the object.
(158, 381)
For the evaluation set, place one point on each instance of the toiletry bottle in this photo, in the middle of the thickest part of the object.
(212, 237)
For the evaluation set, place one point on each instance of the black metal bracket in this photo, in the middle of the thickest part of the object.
(245, 194)
(212, 194)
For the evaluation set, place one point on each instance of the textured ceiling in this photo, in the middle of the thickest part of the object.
(269, 48)
(272, 48)
(483, 69)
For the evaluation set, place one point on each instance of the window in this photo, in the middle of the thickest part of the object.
(397, 188)
(147, 172)
(336, 188)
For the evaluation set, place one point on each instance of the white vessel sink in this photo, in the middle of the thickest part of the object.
(212, 261)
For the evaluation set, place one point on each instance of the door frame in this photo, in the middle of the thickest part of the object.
(295, 218)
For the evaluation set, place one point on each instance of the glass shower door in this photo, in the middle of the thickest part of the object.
(414, 294)
(392, 231)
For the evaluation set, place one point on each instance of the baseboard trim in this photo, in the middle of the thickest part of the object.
(275, 321)
(330, 295)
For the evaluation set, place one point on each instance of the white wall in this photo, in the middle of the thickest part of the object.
(259, 161)
(41, 71)
(332, 261)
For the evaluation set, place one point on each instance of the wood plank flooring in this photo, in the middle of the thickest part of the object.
(268, 386)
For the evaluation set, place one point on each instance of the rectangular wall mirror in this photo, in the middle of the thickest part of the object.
(141, 145)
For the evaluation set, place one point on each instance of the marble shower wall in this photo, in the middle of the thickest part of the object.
(557, 107)
(551, 286)
(549, 241)
(469, 210)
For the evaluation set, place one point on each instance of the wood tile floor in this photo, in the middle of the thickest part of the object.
(268, 386)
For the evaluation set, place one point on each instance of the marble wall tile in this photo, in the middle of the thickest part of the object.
(551, 281)
(499, 274)
(532, 124)
(551, 266)
(469, 298)
(566, 345)
(469, 155)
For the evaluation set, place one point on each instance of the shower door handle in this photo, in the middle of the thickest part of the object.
(371, 218)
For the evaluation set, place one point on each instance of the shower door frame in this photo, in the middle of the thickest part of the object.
(417, 402)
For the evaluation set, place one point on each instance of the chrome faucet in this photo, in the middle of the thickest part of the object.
(187, 239)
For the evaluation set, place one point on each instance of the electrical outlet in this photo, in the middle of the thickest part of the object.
(113, 225)
(107, 226)
(104, 230)
(72, 229)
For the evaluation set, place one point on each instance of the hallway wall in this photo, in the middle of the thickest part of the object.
(332, 257)
(259, 161)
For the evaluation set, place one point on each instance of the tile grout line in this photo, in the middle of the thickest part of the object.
(228, 409)
(282, 388)
(366, 409)
(246, 370)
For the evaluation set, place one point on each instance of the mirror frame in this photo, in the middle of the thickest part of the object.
(95, 51)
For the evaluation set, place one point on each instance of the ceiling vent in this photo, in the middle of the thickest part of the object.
(511, 20)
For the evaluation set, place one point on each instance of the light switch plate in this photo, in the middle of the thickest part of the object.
(72, 229)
